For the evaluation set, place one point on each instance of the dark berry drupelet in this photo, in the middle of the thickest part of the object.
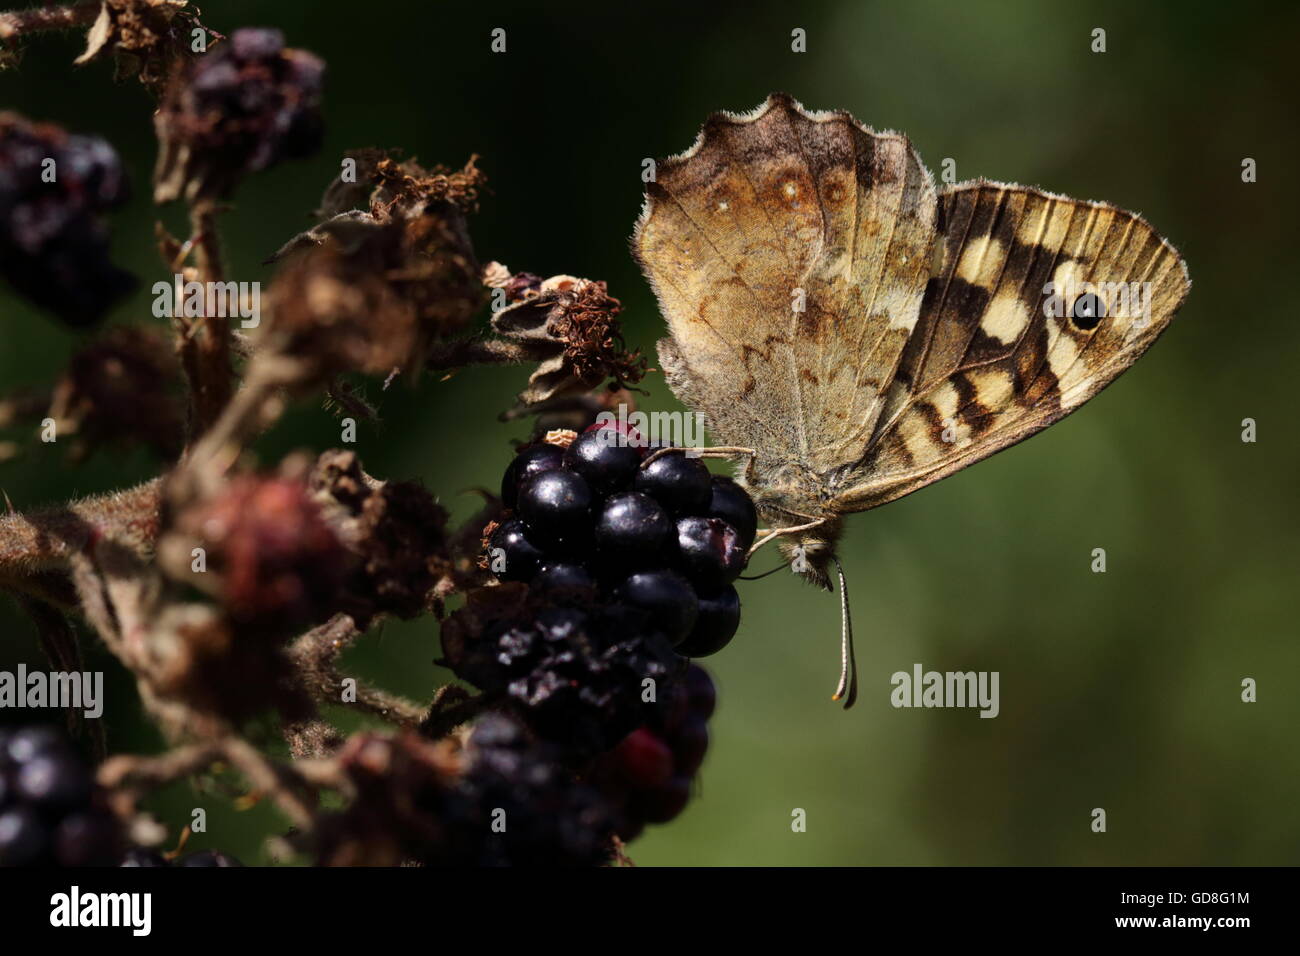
(531, 460)
(732, 504)
(602, 456)
(633, 532)
(566, 583)
(51, 813)
(556, 508)
(680, 483)
(709, 552)
(511, 555)
(715, 625)
(667, 597)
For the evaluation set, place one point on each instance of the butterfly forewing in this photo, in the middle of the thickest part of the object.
(790, 253)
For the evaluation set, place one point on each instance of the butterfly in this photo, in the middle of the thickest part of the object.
(859, 334)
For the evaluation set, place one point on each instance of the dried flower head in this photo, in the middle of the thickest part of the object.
(398, 533)
(268, 553)
(147, 38)
(570, 327)
(121, 389)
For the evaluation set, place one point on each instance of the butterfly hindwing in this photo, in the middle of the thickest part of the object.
(1040, 302)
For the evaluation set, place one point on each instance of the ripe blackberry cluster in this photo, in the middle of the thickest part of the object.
(574, 673)
(51, 813)
(606, 519)
(53, 242)
(647, 778)
(241, 108)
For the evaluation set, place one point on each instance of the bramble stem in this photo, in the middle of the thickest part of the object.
(18, 23)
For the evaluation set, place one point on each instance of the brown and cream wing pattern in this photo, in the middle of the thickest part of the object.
(789, 252)
(1040, 302)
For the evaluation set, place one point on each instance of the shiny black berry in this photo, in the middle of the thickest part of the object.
(667, 597)
(512, 556)
(23, 836)
(532, 460)
(701, 694)
(29, 742)
(54, 780)
(709, 552)
(732, 504)
(556, 508)
(715, 626)
(633, 531)
(681, 484)
(603, 457)
(663, 803)
(689, 743)
(564, 582)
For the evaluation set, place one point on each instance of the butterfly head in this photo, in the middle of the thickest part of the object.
(812, 552)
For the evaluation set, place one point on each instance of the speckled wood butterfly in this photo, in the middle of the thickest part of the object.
(860, 333)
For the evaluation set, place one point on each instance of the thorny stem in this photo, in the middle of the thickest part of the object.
(128, 777)
(205, 348)
(316, 655)
(20, 22)
(48, 539)
(458, 354)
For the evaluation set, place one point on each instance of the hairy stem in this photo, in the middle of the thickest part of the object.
(18, 23)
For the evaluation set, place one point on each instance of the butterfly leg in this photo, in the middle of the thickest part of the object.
(717, 451)
(777, 532)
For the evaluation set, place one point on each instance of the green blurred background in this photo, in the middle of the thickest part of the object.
(1118, 690)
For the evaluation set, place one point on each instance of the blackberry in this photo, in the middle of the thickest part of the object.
(520, 558)
(662, 803)
(531, 460)
(648, 775)
(53, 243)
(566, 582)
(732, 504)
(715, 625)
(633, 531)
(556, 509)
(709, 552)
(667, 597)
(681, 484)
(610, 564)
(550, 820)
(603, 457)
(50, 810)
(574, 674)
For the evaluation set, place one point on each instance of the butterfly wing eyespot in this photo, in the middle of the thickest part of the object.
(1088, 311)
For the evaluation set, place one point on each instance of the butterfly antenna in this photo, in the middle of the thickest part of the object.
(848, 684)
